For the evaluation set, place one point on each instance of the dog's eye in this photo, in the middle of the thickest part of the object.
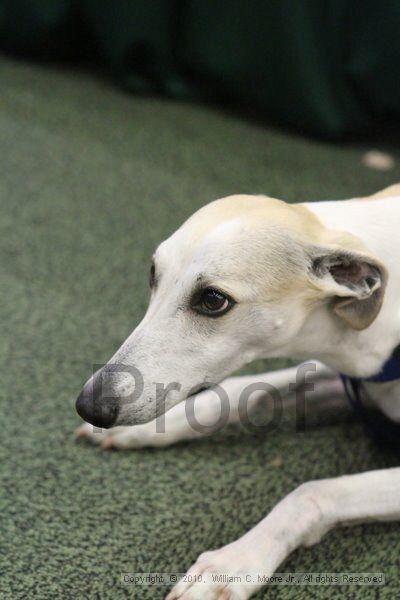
(152, 277)
(212, 302)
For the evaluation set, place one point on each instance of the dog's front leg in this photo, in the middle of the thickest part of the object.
(209, 411)
(300, 519)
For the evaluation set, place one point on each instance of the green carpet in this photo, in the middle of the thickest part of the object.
(91, 180)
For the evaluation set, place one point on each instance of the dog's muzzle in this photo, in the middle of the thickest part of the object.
(93, 406)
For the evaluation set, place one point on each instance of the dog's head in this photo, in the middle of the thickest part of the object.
(235, 283)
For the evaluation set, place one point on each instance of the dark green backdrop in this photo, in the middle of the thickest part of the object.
(327, 67)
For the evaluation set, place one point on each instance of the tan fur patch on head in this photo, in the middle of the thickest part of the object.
(297, 219)
(258, 210)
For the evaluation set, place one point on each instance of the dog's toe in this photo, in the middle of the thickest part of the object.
(126, 438)
(90, 433)
(201, 591)
(120, 438)
(108, 443)
(218, 575)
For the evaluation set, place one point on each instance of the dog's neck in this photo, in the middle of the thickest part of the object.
(360, 353)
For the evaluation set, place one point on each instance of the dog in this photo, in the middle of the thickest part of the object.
(252, 277)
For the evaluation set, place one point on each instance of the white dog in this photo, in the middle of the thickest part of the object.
(250, 277)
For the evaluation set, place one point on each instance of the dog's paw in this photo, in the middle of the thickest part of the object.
(120, 438)
(217, 575)
(90, 433)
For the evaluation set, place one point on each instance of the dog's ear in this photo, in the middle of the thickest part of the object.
(354, 282)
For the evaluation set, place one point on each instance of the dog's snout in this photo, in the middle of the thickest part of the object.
(94, 407)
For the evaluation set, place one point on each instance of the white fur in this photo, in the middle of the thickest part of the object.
(256, 251)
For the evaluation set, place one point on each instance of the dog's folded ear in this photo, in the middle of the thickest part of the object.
(354, 283)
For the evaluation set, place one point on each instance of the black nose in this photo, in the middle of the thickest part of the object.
(94, 408)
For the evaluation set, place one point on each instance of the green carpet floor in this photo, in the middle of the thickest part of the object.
(91, 180)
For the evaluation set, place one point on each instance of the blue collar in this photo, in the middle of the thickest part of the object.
(390, 370)
(385, 431)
